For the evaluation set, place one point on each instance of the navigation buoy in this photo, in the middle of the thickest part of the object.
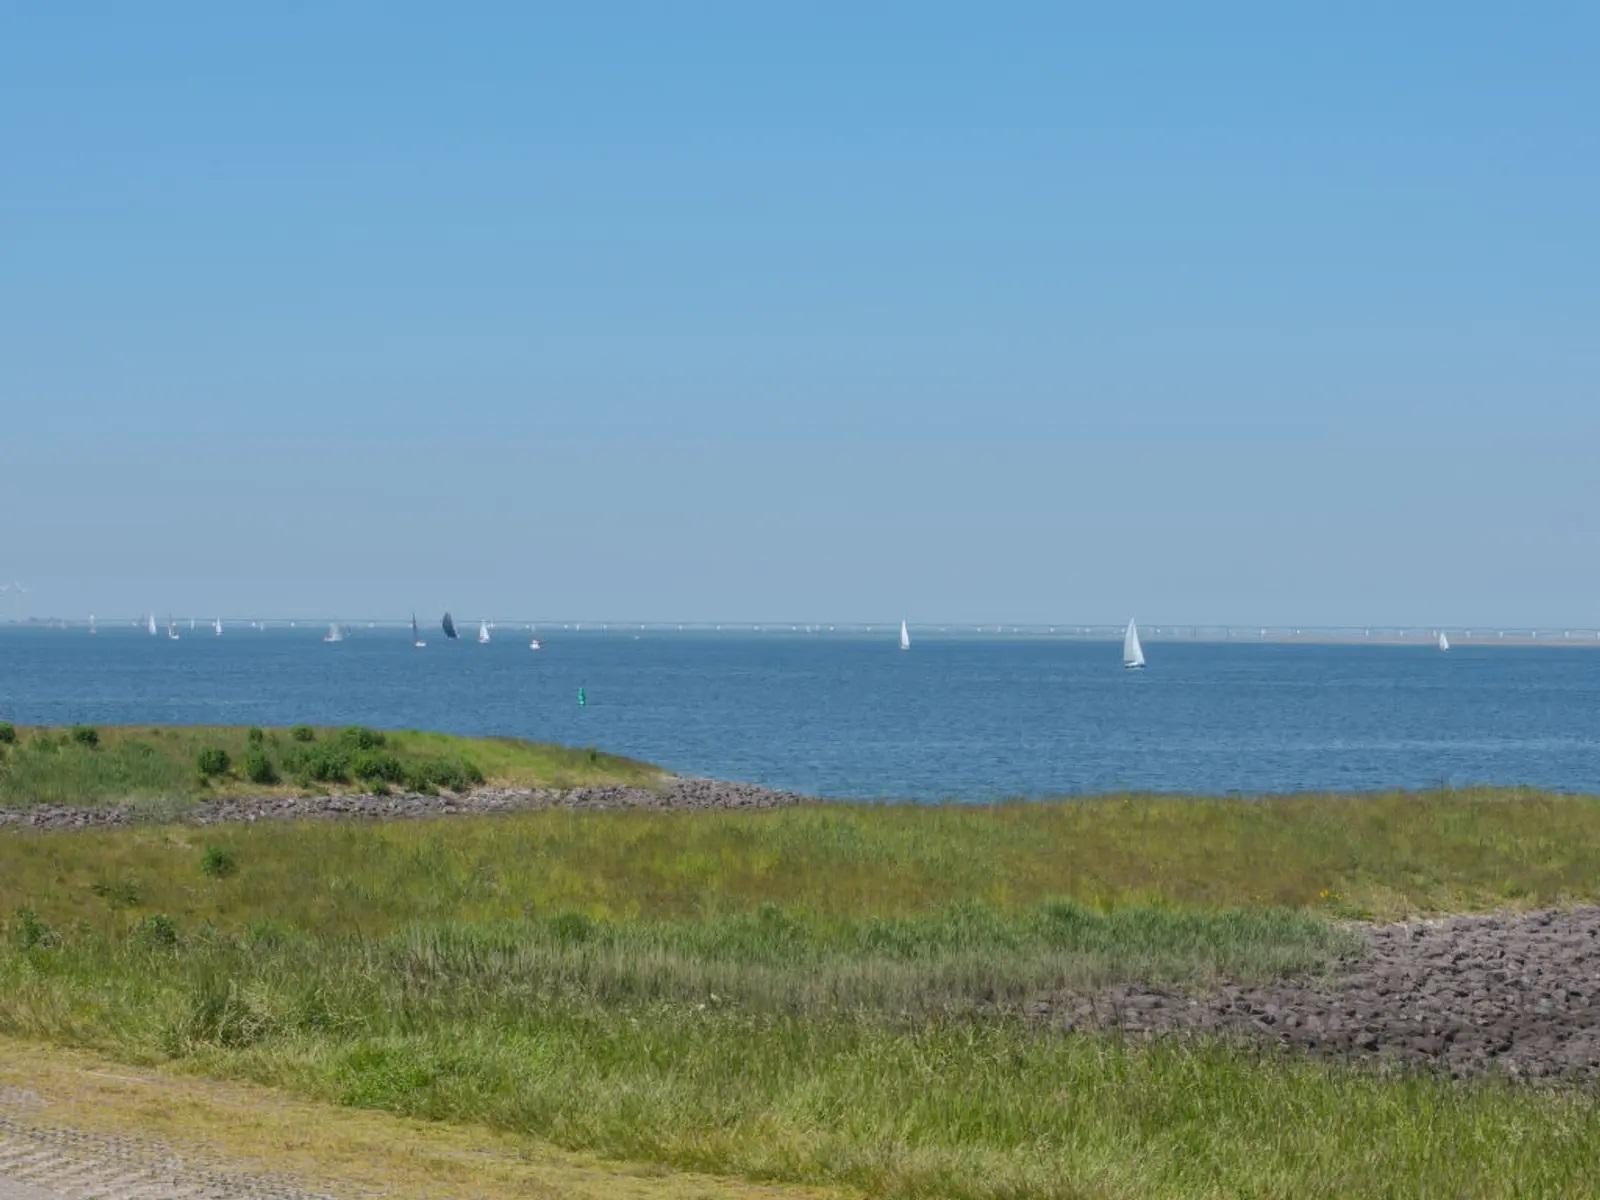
(583, 698)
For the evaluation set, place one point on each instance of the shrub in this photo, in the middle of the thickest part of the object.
(258, 768)
(362, 738)
(453, 773)
(213, 760)
(571, 928)
(254, 736)
(29, 931)
(218, 863)
(324, 764)
(8, 733)
(375, 766)
(303, 733)
(86, 735)
(156, 931)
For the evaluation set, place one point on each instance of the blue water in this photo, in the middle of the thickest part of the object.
(971, 718)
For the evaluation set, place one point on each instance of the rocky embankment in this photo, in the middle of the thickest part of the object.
(673, 794)
(1512, 994)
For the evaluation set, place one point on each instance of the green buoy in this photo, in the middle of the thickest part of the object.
(583, 698)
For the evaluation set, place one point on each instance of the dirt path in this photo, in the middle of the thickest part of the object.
(77, 1127)
(1511, 994)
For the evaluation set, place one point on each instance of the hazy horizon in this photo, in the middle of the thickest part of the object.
(1245, 316)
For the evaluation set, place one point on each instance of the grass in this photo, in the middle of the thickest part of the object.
(821, 996)
(324, 1148)
(175, 767)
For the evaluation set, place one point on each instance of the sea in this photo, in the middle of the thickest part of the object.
(970, 717)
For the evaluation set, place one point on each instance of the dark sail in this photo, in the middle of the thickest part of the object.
(449, 626)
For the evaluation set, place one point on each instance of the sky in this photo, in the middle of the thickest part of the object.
(1049, 313)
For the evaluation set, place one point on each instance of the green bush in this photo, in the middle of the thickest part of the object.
(454, 774)
(156, 931)
(86, 735)
(218, 863)
(213, 760)
(30, 932)
(303, 733)
(258, 768)
(374, 766)
(324, 764)
(254, 736)
(362, 738)
(8, 733)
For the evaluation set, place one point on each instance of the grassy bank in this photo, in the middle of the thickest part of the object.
(1382, 856)
(175, 766)
(822, 995)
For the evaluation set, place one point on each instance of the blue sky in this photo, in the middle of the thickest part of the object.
(1215, 313)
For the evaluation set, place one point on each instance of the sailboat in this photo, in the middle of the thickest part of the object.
(334, 634)
(150, 623)
(449, 627)
(1132, 652)
(905, 637)
(1444, 642)
(92, 629)
(216, 626)
(483, 633)
(172, 630)
(415, 639)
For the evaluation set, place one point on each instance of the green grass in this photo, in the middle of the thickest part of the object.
(161, 766)
(1383, 856)
(822, 995)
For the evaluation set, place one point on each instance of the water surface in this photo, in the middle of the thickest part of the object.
(970, 717)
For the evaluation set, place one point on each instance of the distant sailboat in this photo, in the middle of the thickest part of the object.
(334, 634)
(533, 644)
(172, 630)
(1444, 642)
(216, 626)
(1132, 652)
(92, 629)
(905, 637)
(483, 633)
(191, 624)
(416, 639)
(449, 627)
(150, 623)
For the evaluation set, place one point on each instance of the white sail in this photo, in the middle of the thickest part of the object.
(335, 633)
(416, 640)
(92, 629)
(483, 632)
(216, 626)
(172, 630)
(1444, 642)
(1132, 652)
(150, 623)
(905, 637)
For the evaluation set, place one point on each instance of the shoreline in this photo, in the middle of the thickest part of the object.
(676, 794)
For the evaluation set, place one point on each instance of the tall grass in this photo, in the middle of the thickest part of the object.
(519, 1030)
(1383, 856)
(824, 995)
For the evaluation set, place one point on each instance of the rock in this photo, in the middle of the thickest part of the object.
(1508, 994)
